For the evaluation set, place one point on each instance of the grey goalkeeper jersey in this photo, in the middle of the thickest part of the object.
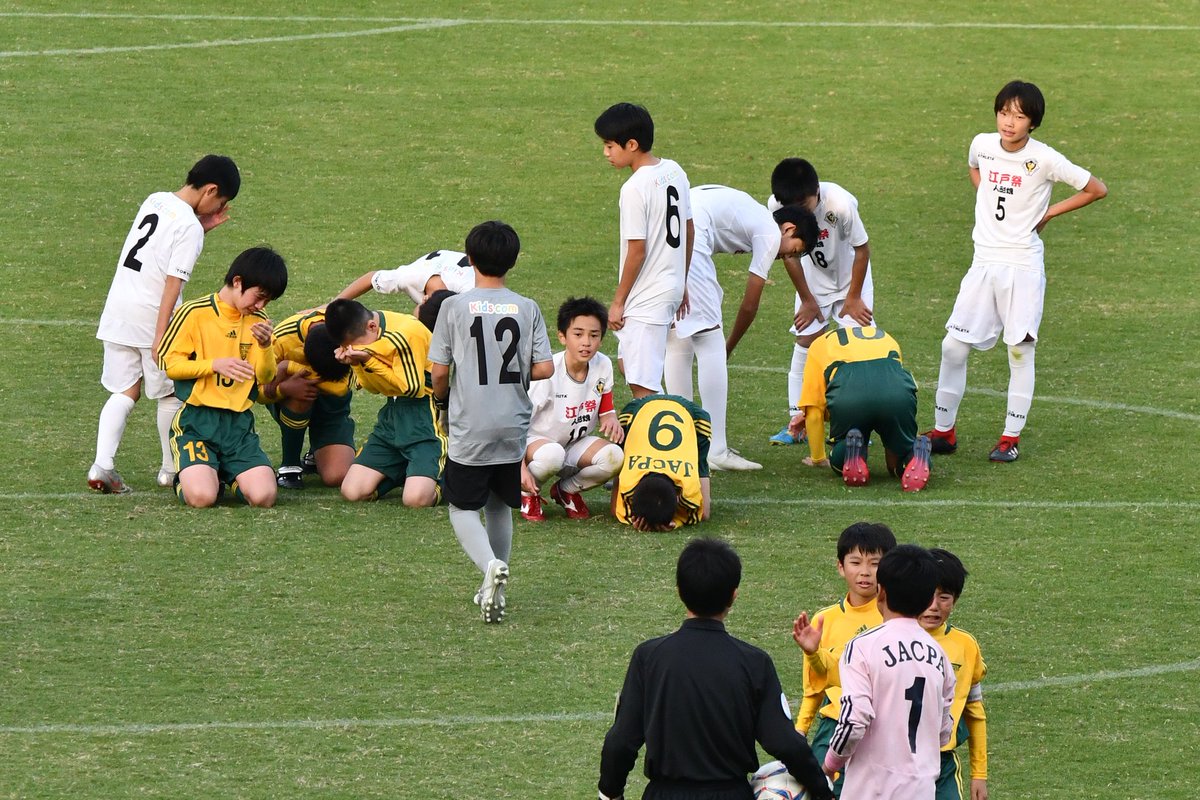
(492, 337)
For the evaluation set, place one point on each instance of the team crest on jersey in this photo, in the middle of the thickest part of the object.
(243, 350)
(831, 218)
(1031, 166)
(600, 386)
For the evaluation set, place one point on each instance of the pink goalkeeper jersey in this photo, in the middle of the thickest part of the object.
(897, 689)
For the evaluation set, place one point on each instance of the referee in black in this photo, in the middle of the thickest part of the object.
(699, 698)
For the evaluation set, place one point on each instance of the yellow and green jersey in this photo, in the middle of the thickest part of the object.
(203, 331)
(399, 358)
(822, 684)
(667, 434)
(825, 356)
(970, 722)
(289, 346)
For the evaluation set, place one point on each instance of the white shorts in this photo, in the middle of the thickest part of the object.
(831, 308)
(997, 297)
(704, 297)
(642, 350)
(574, 451)
(124, 366)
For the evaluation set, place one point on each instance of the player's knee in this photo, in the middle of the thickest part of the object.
(547, 460)
(199, 496)
(1020, 355)
(420, 493)
(955, 351)
(261, 497)
(356, 491)
(609, 459)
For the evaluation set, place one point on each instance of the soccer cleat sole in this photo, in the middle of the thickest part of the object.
(491, 601)
(916, 472)
(854, 468)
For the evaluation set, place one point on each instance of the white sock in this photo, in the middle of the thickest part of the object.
(713, 377)
(468, 527)
(547, 461)
(677, 365)
(952, 382)
(113, 417)
(168, 407)
(1020, 387)
(605, 464)
(499, 527)
(796, 379)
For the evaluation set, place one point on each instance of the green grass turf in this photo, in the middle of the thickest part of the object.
(322, 649)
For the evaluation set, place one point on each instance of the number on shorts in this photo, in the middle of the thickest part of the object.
(844, 334)
(196, 451)
(149, 221)
(505, 327)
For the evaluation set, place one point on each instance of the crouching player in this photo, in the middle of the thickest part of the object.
(567, 409)
(854, 377)
(217, 349)
(311, 393)
(389, 353)
(664, 478)
(970, 721)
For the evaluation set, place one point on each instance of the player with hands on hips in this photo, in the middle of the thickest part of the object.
(568, 409)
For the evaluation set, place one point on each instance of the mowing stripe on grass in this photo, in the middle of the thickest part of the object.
(462, 720)
(862, 499)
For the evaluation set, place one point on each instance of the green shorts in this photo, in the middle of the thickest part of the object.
(218, 438)
(949, 786)
(329, 423)
(405, 441)
(822, 732)
(879, 396)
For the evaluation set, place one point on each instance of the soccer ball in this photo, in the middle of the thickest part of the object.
(774, 782)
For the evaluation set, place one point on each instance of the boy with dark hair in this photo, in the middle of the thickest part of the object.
(726, 221)
(699, 699)
(970, 720)
(859, 550)
(854, 378)
(389, 353)
(155, 262)
(656, 246)
(311, 394)
(1004, 290)
(837, 273)
(664, 480)
(496, 340)
(567, 410)
(217, 349)
(897, 690)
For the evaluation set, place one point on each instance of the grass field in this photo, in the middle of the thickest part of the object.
(323, 649)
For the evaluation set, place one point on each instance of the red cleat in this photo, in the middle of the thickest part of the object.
(572, 502)
(943, 442)
(854, 468)
(916, 472)
(531, 507)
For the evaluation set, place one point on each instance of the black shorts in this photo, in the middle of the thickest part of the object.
(467, 486)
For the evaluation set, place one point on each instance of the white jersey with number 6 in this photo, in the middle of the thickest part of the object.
(165, 241)
(897, 689)
(566, 410)
(655, 207)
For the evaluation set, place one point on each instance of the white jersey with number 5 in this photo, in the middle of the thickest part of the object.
(453, 267)
(897, 689)
(1013, 195)
(165, 241)
(829, 267)
(566, 410)
(655, 207)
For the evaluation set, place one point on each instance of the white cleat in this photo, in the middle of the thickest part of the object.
(491, 595)
(166, 478)
(108, 481)
(730, 461)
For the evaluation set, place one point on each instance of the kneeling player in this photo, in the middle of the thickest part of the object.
(854, 377)
(664, 478)
(567, 409)
(313, 390)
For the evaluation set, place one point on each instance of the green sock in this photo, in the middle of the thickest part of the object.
(292, 427)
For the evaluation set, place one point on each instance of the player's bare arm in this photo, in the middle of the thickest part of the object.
(706, 498)
(210, 221)
(358, 287)
(439, 376)
(979, 789)
(541, 370)
(166, 307)
(809, 309)
(685, 305)
(611, 429)
(635, 257)
(806, 634)
(854, 307)
(1093, 191)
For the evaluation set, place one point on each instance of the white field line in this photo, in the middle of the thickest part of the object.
(884, 24)
(413, 24)
(84, 51)
(901, 500)
(457, 721)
